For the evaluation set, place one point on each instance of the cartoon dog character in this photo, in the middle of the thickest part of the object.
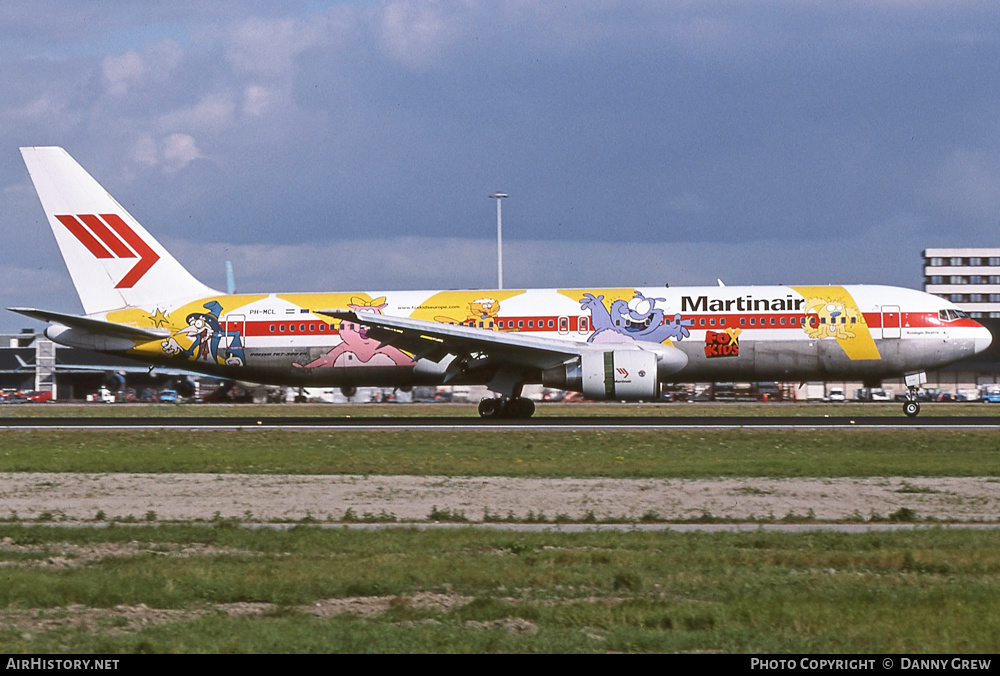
(637, 319)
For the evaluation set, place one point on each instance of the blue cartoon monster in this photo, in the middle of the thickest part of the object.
(206, 334)
(637, 319)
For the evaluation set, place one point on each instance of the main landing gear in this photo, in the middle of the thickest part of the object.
(506, 407)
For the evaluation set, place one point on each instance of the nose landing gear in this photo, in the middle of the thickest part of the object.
(911, 407)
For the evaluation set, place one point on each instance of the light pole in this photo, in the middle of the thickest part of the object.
(498, 196)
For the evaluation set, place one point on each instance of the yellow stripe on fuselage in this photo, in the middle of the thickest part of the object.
(855, 339)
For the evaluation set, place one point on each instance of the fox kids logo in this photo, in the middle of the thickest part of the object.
(722, 344)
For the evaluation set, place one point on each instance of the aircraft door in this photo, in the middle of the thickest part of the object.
(890, 321)
(233, 338)
(563, 326)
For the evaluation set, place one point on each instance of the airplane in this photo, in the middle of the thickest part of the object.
(608, 344)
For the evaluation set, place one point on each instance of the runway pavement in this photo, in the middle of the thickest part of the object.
(474, 423)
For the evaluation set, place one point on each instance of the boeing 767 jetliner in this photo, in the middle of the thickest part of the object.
(618, 344)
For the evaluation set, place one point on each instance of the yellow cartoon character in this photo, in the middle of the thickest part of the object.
(482, 310)
(831, 318)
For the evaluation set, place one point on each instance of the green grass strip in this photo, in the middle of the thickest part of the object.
(931, 591)
(620, 454)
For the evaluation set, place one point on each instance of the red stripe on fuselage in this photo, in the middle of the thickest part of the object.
(539, 323)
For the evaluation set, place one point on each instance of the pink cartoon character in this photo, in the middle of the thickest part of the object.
(356, 348)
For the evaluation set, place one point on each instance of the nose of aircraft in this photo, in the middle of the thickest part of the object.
(983, 339)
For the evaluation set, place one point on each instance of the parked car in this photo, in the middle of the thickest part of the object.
(989, 394)
(37, 396)
(878, 394)
(836, 394)
(168, 396)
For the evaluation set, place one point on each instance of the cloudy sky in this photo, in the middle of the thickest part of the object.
(327, 146)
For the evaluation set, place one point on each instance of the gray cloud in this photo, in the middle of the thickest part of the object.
(750, 139)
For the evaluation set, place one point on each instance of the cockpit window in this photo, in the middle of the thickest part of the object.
(952, 315)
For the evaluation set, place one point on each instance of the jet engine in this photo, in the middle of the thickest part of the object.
(624, 374)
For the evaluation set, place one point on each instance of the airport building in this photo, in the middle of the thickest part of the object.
(970, 278)
(30, 362)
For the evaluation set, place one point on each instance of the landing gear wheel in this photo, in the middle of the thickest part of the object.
(490, 407)
(911, 408)
(519, 407)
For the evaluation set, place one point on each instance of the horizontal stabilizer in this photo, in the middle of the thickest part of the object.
(96, 326)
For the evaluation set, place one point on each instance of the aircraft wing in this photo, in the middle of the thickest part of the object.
(97, 326)
(435, 340)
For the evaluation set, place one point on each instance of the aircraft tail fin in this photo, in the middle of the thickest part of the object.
(113, 261)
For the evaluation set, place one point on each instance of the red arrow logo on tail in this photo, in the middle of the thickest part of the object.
(108, 236)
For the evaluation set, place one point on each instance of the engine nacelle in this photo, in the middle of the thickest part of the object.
(630, 375)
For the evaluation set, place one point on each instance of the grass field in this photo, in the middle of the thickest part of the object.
(619, 454)
(222, 588)
(225, 589)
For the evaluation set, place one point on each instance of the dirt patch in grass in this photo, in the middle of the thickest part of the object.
(67, 555)
(130, 618)
(56, 497)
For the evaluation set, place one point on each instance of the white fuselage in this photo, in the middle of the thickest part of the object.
(726, 333)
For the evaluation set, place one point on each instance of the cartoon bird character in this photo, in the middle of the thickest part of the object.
(206, 335)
